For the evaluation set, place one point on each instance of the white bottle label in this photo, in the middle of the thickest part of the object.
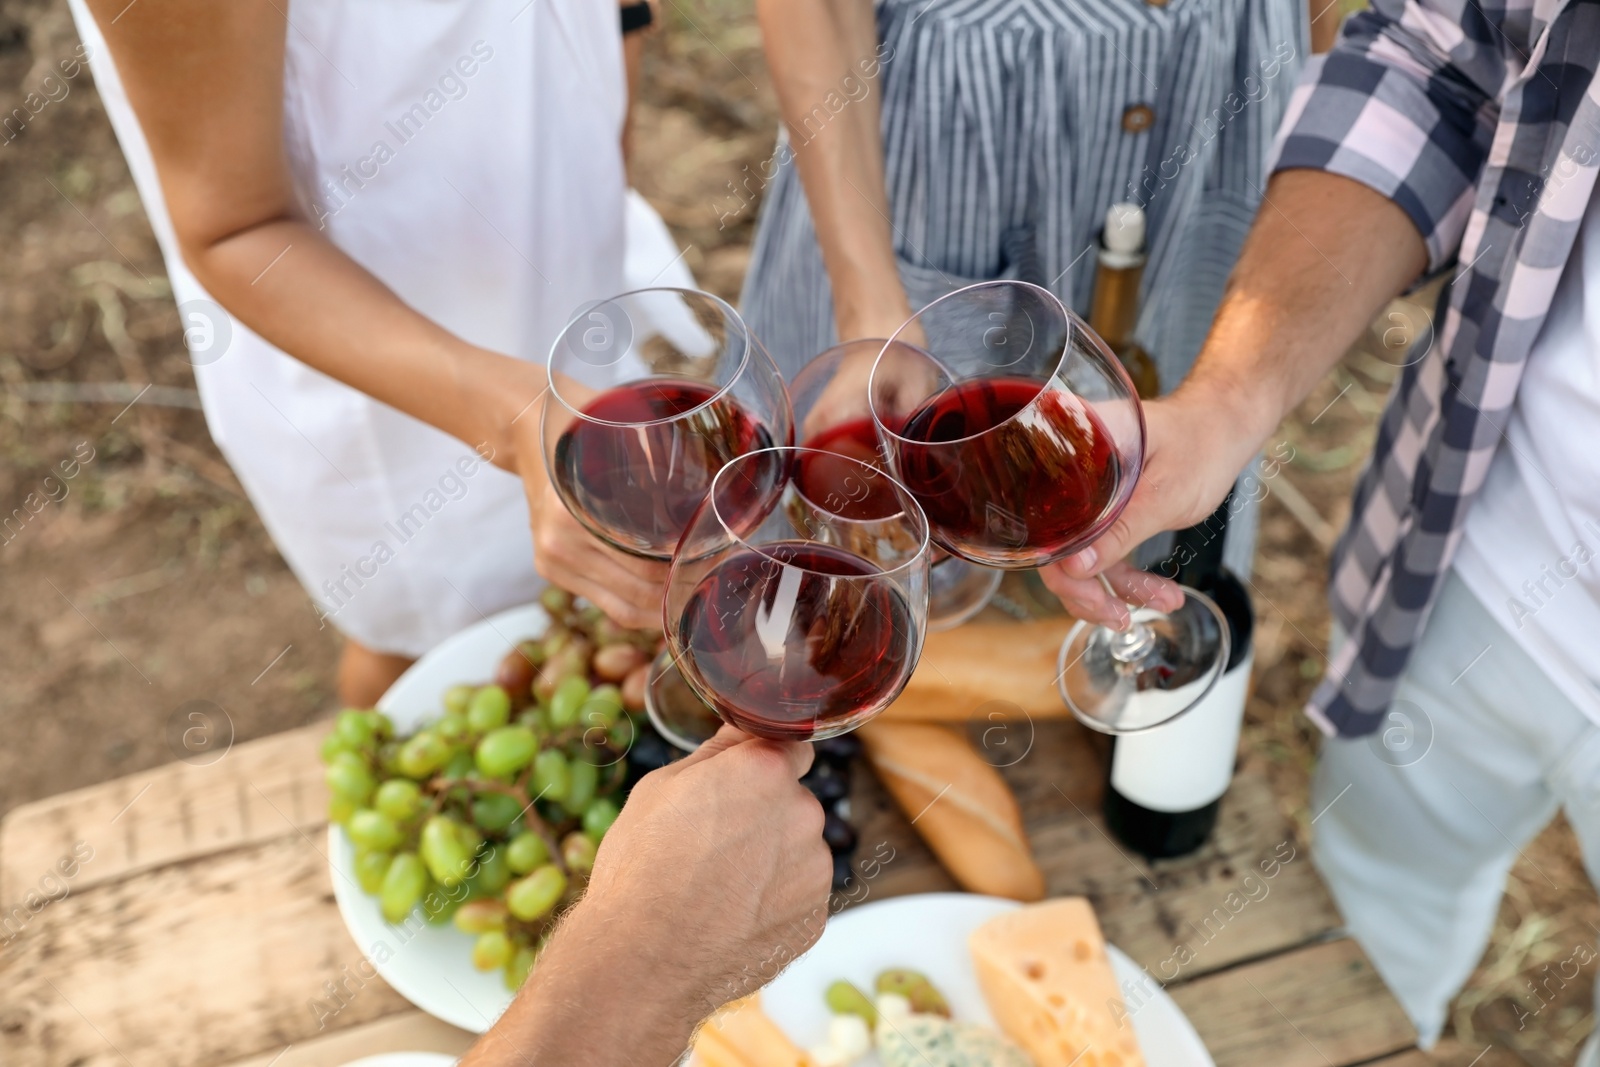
(1187, 763)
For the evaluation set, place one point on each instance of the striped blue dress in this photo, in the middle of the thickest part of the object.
(1010, 126)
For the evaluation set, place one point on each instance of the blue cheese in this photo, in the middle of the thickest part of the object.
(934, 1041)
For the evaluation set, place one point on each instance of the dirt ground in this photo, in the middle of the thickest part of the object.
(146, 582)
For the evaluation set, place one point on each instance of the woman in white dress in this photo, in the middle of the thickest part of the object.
(399, 203)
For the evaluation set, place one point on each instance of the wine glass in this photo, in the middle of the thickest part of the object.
(831, 414)
(1020, 434)
(655, 391)
(793, 620)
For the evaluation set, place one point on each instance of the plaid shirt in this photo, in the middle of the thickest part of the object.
(1481, 120)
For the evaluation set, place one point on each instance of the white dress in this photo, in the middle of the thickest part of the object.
(466, 152)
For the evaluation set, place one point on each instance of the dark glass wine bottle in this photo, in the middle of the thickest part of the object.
(1166, 784)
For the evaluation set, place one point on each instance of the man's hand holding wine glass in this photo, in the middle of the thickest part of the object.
(1193, 454)
(722, 854)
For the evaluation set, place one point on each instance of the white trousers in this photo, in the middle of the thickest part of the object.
(1416, 827)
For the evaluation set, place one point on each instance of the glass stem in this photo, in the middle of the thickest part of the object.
(1134, 641)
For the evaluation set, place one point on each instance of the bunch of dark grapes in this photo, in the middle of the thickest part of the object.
(829, 781)
(490, 816)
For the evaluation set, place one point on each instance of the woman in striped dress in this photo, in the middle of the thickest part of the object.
(999, 134)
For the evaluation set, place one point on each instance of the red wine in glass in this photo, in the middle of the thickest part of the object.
(632, 462)
(832, 481)
(1008, 462)
(834, 485)
(640, 484)
(826, 395)
(797, 639)
(1022, 438)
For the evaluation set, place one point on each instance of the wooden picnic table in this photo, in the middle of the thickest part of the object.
(203, 930)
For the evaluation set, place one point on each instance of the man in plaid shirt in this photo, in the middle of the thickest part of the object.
(1463, 693)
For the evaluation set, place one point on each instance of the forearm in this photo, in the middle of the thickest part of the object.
(289, 284)
(592, 1001)
(822, 50)
(1325, 255)
(1324, 18)
(206, 80)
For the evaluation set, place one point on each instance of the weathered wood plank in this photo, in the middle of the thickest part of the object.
(1250, 892)
(406, 1031)
(1318, 1006)
(203, 927)
(258, 791)
(188, 964)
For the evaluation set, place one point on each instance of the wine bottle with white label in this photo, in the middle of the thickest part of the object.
(1167, 783)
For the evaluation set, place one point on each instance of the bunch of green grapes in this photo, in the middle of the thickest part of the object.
(490, 816)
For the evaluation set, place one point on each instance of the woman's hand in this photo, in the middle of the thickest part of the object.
(626, 588)
(1192, 457)
(901, 379)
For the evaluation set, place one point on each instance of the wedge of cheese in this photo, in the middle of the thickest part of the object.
(1044, 973)
(739, 1034)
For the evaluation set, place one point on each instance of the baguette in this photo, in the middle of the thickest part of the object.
(959, 804)
(987, 670)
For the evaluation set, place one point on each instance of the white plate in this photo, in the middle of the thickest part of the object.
(431, 966)
(928, 932)
(404, 1059)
